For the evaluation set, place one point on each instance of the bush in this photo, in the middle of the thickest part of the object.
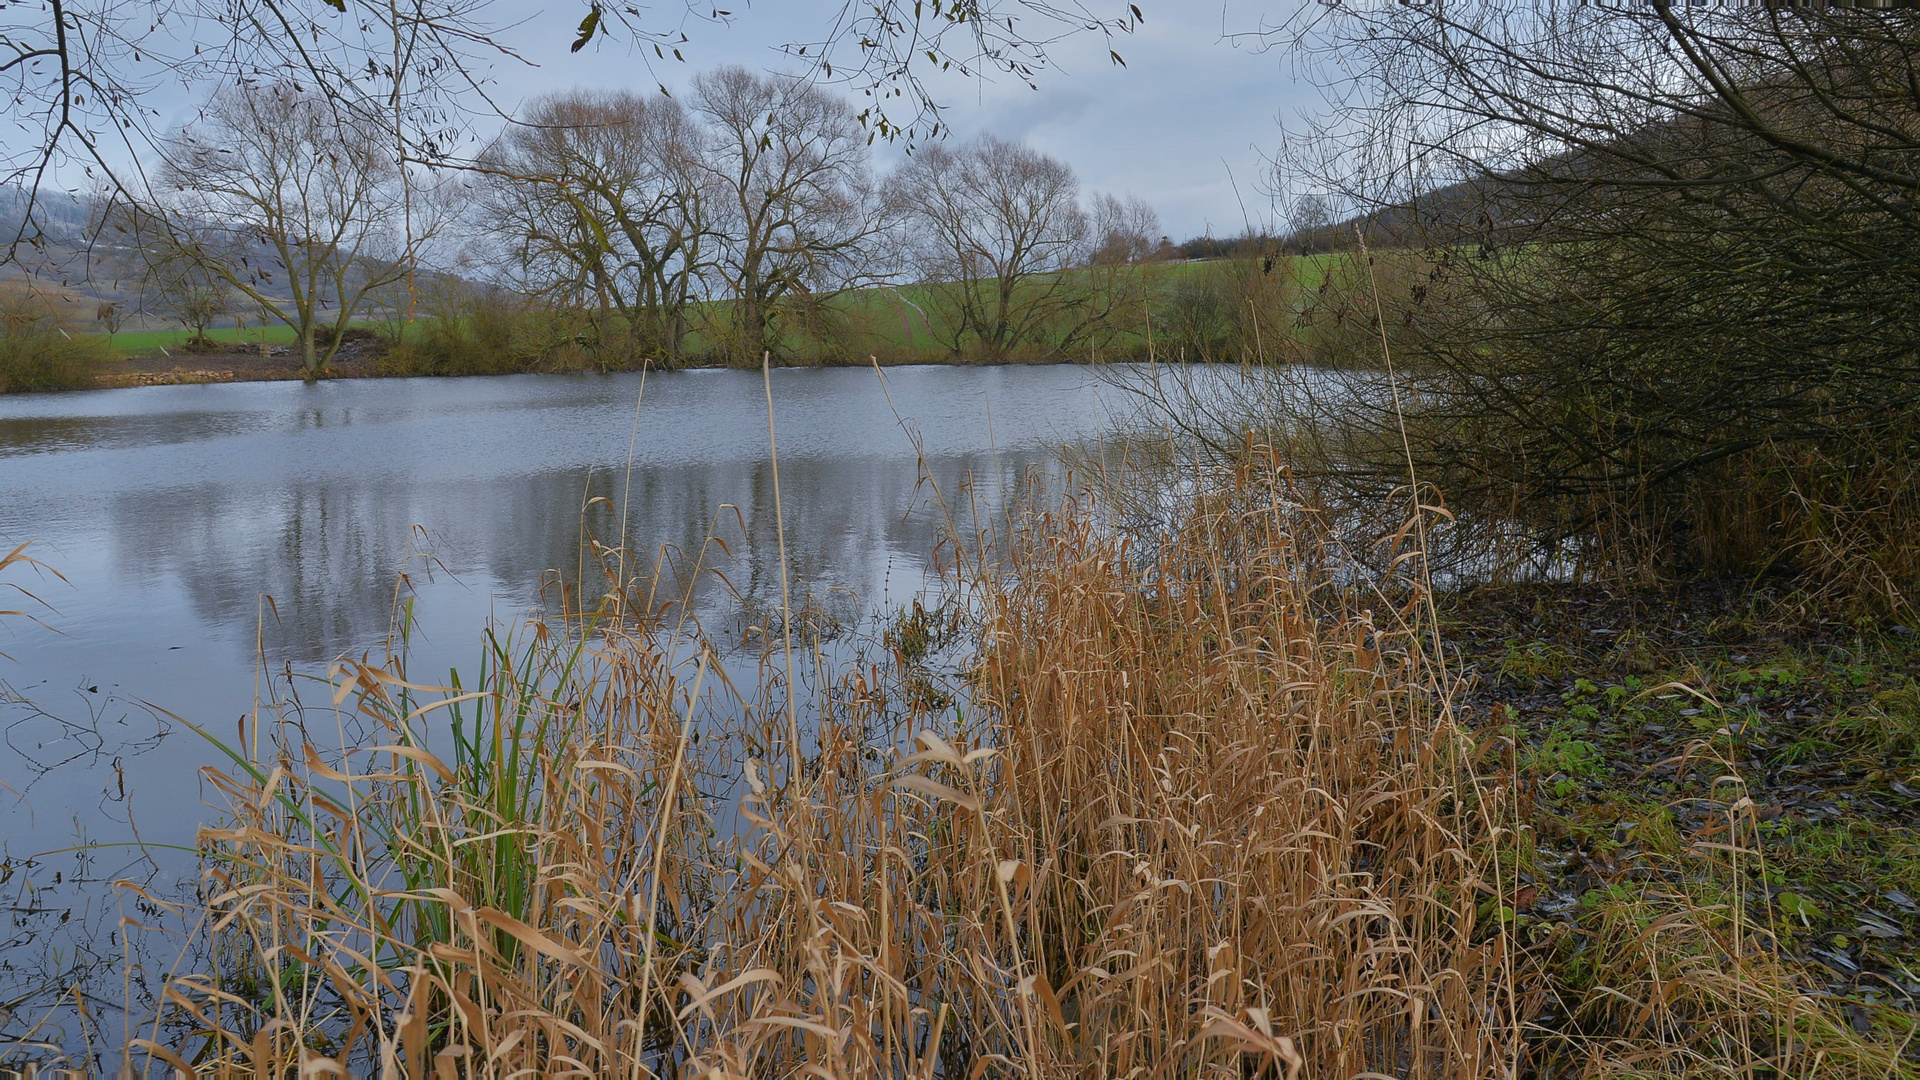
(1661, 421)
(478, 331)
(1673, 321)
(1197, 321)
(45, 361)
(35, 353)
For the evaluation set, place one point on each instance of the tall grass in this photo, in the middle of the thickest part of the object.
(1204, 809)
(1199, 810)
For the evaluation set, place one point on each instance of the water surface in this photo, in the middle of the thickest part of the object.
(209, 540)
(208, 534)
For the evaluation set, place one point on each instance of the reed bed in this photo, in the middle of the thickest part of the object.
(1200, 807)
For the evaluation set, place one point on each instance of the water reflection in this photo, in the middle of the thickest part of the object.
(24, 435)
(329, 550)
(174, 511)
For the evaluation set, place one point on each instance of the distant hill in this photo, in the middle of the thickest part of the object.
(58, 215)
(1451, 210)
(54, 254)
(59, 258)
(1496, 206)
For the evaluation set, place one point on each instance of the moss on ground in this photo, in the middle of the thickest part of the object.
(1727, 754)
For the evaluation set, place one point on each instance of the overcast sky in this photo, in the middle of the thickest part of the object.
(1188, 119)
(1187, 124)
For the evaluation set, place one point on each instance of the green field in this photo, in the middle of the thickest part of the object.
(891, 322)
(130, 343)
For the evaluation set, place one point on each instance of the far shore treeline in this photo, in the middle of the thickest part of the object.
(609, 229)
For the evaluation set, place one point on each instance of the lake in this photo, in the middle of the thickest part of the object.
(211, 534)
(213, 537)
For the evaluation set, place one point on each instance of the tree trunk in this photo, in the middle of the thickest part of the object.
(753, 328)
(309, 355)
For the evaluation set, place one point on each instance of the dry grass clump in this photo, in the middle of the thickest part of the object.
(1228, 771)
(1200, 815)
(1202, 812)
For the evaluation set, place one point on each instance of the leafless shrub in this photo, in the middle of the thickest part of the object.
(1668, 286)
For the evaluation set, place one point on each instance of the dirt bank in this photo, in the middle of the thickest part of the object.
(356, 359)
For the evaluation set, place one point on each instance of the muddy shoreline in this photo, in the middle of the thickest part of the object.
(253, 364)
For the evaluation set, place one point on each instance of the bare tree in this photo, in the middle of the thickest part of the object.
(79, 75)
(1311, 226)
(197, 305)
(1128, 230)
(291, 204)
(1671, 289)
(995, 230)
(795, 207)
(191, 294)
(600, 201)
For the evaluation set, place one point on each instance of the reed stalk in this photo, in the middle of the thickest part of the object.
(1206, 812)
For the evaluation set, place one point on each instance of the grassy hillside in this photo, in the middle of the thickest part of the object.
(1301, 307)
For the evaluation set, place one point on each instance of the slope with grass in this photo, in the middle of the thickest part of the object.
(1248, 310)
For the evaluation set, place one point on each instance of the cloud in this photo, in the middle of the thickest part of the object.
(1183, 123)
(1033, 114)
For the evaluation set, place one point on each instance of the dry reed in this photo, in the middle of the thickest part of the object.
(1204, 811)
(1198, 811)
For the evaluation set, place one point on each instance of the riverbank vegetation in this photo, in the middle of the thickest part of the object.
(1247, 309)
(1255, 309)
(1198, 798)
(37, 352)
